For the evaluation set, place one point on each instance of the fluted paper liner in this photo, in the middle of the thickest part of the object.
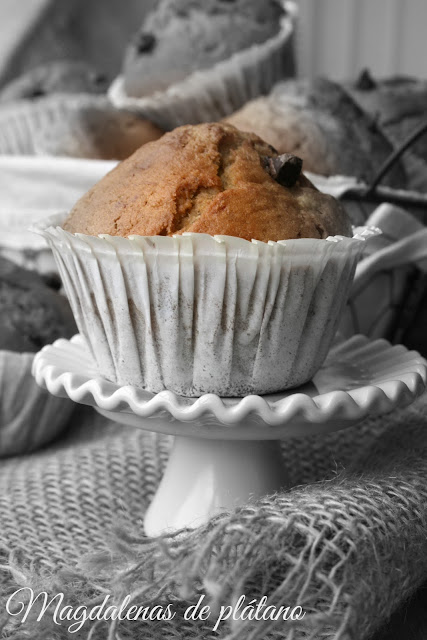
(29, 416)
(198, 314)
(23, 122)
(211, 94)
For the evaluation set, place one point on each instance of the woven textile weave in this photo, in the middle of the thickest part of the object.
(349, 547)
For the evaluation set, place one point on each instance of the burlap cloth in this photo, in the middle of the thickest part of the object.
(348, 547)
(348, 543)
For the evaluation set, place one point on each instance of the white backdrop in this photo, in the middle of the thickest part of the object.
(338, 38)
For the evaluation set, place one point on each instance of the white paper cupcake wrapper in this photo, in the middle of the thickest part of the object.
(22, 123)
(198, 314)
(211, 94)
(29, 416)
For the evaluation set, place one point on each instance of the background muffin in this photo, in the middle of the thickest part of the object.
(209, 178)
(181, 36)
(226, 51)
(62, 76)
(95, 129)
(81, 126)
(398, 106)
(319, 121)
(32, 314)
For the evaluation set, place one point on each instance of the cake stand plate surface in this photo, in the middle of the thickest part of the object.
(225, 451)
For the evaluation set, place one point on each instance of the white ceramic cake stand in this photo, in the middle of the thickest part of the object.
(226, 450)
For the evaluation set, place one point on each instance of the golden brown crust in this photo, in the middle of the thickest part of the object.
(207, 178)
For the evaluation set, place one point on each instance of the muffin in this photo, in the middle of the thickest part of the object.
(63, 76)
(319, 121)
(398, 105)
(182, 36)
(194, 62)
(169, 290)
(80, 126)
(96, 130)
(208, 179)
(33, 314)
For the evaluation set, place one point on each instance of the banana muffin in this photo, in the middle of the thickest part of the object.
(79, 126)
(398, 105)
(33, 313)
(321, 122)
(91, 128)
(182, 36)
(206, 263)
(213, 179)
(62, 76)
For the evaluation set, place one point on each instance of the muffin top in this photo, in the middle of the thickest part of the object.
(321, 122)
(32, 312)
(208, 178)
(398, 104)
(181, 36)
(64, 76)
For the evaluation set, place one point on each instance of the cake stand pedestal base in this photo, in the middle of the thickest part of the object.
(226, 451)
(205, 477)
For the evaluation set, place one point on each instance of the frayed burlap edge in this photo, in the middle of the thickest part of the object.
(348, 551)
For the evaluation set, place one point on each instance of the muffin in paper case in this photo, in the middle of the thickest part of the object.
(79, 126)
(211, 94)
(198, 314)
(23, 123)
(30, 417)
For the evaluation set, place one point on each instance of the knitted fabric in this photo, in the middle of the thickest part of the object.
(348, 547)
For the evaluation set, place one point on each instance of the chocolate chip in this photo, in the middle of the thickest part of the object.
(285, 169)
(145, 42)
(99, 79)
(365, 81)
(37, 92)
